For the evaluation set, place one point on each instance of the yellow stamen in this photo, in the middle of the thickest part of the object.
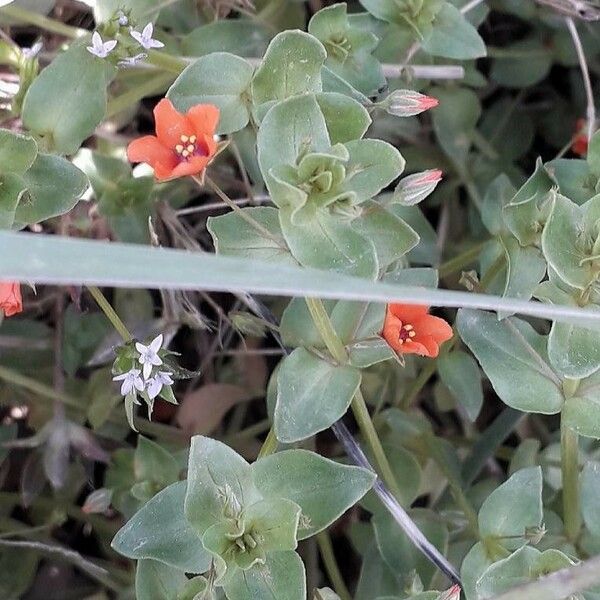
(193, 139)
(411, 334)
(185, 154)
(179, 148)
(184, 138)
(191, 148)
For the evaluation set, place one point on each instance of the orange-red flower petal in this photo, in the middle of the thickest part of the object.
(11, 302)
(409, 329)
(184, 144)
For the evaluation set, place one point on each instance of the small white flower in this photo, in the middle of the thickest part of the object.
(133, 60)
(144, 39)
(131, 380)
(99, 48)
(149, 354)
(33, 51)
(155, 384)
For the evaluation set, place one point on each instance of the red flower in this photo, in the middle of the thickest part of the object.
(183, 145)
(11, 302)
(580, 141)
(409, 329)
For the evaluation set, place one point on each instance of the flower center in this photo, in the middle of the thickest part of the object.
(187, 148)
(406, 332)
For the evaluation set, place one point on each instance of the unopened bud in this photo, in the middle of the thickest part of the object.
(408, 103)
(413, 189)
(248, 324)
(452, 594)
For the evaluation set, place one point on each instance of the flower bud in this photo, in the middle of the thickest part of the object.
(414, 188)
(408, 103)
(452, 594)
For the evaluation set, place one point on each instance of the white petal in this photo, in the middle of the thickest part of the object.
(156, 360)
(96, 40)
(154, 387)
(110, 45)
(156, 343)
(120, 377)
(139, 384)
(137, 36)
(148, 31)
(126, 387)
(155, 44)
(147, 370)
(141, 348)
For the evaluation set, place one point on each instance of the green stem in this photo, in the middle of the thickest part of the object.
(153, 86)
(359, 406)
(331, 566)
(569, 443)
(29, 17)
(461, 261)
(168, 62)
(110, 313)
(270, 444)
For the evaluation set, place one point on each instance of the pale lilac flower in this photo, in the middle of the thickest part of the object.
(131, 380)
(33, 51)
(155, 384)
(132, 61)
(99, 48)
(149, 355)
(145, 39)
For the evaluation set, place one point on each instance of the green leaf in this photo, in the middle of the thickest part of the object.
(574, 352)
(311, 395)
(454, 120)
(473, 566)
(276, 521)
(453, 36)
(563, 244)
(526, 267)
(160, 531)
(291, 66)
(513, 507)
(322, 488)
(325, 241)
(17, 152)
(590, 492)
(372, 166)
(513, 356)
(527, 212)
(348, 48)
(243, 37)
(157, 581)
(146, 10)
(281, 577)
(593, 156)
(346, 118)
(12, 188)
(290, 128)
(54, 186)
(461, 375)
(203, 83)
(234, 236)
(528, 62)
(67, 100)
(219, 482)
(582, 414)
(390, 234)
(153, 463)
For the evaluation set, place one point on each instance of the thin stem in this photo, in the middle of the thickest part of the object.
(245, 216)
(569, 455)
(470, 6)
(46, 23)
(461, 261)
(151, 87)
(359, 406)
(270, 444)
(331, 566)
(585, 73)
(110, 312)
(168, 62)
